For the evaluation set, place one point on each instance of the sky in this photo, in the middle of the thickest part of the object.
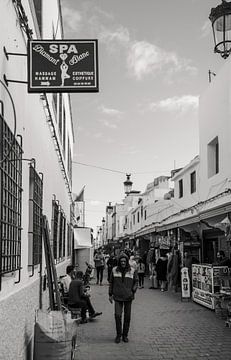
(154, 58)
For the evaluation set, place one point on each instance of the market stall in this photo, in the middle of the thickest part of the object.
(206, 282)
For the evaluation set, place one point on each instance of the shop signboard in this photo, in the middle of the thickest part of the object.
(185, 284)
(62, 66)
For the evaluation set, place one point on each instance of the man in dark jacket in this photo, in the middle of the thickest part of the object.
(78, 298)
(122, 287)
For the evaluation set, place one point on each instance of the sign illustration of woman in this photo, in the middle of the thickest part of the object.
(64, 68)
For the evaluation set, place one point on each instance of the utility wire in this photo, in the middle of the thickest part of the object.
(99, 167)
(120, 172)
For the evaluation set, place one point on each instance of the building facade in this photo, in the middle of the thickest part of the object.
(195, 215)
(36, 147)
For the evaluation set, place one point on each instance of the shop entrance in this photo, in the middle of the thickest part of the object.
(210, 250)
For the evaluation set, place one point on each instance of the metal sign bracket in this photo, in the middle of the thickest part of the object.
(7, 81)
(7, 54)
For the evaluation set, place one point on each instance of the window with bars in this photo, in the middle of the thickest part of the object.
(62, 233)
(35, 216)
(69, 239)
(10, 200)
(58, 231)
(55, 219)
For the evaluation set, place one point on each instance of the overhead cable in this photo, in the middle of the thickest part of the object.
(118, 171)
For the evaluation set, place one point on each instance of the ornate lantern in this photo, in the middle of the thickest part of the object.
(127, 184)
(220, 17)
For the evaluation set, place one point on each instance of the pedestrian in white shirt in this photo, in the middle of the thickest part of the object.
(66, 280)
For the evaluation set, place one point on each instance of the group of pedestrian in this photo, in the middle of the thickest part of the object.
(165, 273)
(125, 273)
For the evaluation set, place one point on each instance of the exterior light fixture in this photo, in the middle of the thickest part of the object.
(127, 184)
(220, 17)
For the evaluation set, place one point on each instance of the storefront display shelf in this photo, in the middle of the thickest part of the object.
(206, 282)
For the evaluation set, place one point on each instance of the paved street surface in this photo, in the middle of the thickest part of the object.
(162, 327)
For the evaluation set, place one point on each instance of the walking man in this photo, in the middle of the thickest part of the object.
(122, 287)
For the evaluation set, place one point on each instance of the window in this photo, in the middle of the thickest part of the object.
(134, 219)
(35, 216)
(62, 234)
(69, 239)
(181, 188)
(193, 182)
(10, 200)
(55, 218)
(58, 231)
(138, 217)
(145, 214)
(213, 157)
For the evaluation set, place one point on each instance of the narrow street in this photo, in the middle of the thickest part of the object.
(162, 327)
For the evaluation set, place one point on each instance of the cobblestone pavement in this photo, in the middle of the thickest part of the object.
(162, 327)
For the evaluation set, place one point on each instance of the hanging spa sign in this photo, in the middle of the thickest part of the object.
(63, 66)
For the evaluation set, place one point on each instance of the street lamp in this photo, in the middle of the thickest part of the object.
(220, 17)
(109, 208)
(127, 184)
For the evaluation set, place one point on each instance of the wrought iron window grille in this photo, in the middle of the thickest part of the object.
(10, 200)
(35, 216)
(58, 231)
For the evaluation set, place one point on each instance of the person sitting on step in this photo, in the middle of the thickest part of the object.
(78, 298)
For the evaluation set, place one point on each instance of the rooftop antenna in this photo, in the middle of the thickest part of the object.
(211, 73)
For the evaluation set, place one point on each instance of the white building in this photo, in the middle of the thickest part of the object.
(35, 171)
(198, 215)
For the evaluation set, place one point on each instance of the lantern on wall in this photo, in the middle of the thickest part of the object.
(220, 17)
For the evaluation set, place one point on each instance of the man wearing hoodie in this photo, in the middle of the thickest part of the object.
(122, 287)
